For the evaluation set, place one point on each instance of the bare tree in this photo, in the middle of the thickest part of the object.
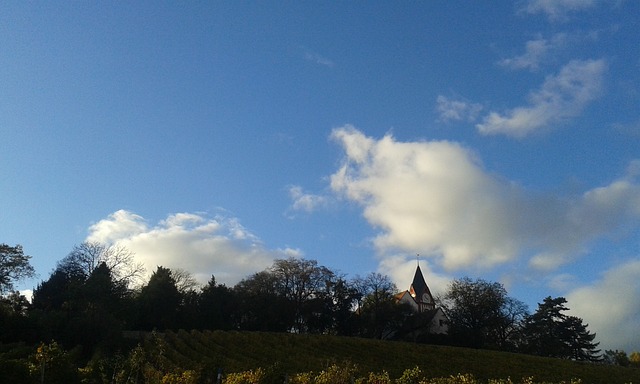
(87, 256)
(185, 282)
(375, 288)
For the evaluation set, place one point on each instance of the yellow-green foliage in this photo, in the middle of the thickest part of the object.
(247, 377)
(336, 375)
(634, 359)
(410, 376)
(457, 379)
(345, 375)
(186, 377)
(375, 378)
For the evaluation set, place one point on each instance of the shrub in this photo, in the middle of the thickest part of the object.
(410, 376)
(246, 377)
(458, 379)
(335, 374)
(186, 377)
(375, 378)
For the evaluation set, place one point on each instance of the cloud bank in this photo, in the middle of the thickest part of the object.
(611, 306)
(436, 199)
(199, 244)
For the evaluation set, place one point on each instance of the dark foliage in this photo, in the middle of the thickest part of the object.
(482, 315)
(14, 266)
(549, 332)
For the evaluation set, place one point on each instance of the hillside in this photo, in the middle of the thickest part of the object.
(239, 351)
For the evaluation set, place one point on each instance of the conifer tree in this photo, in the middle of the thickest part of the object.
(549, 332)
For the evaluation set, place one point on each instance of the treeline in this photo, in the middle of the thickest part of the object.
(96, 293)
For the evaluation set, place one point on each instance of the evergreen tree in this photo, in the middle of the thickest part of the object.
(159, 301)
(549, 332)
(580, 340)
(216, 306)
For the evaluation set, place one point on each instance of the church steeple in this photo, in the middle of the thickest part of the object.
(420, 292)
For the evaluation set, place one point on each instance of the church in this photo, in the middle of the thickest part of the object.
(419, 298)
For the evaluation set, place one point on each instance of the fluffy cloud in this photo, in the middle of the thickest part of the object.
(451, 110)
(305, 201)
(560, 97)
(535, 52)
(202, 245)
(611, 306)
(435, 198)
(557, 9)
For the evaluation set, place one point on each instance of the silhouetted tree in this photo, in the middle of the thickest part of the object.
(216, 306)
(304, 284)
(380, 316)
(55, 303)
(339, 308)
(159, 301)
(481, 314)
(549, 332)
(76, 309)
(14, 266)
(15, 325)
(86, 257)
(260, 304)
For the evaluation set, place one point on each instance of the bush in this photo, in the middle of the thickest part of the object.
(375, 378)
(410, 376)
(246, 377)
(186, 377)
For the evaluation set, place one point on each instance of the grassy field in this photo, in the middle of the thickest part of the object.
(240, 351)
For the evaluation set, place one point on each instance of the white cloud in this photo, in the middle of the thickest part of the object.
(611, 307)
(535, 52)
(202, 245)
(558, 10)
(318, 59)
(27, 293)
(435, 199)
(560, 97)
(305, 201)
(118, 224)
(450, 110)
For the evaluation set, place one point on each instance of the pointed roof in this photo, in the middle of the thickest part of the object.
(419, 285)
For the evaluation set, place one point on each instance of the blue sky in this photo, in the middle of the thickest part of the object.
(497, 140)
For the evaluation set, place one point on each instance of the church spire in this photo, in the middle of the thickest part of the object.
(419, 289)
